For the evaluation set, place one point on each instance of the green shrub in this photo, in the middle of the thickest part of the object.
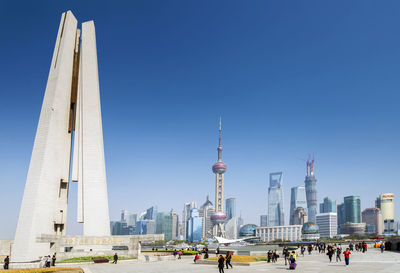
(89, 259)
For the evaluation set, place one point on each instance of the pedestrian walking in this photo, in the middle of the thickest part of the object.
(221, 262)
(338, 252)
(53, 260)
(196, 257)
(285, 255)
(6, 263)
(48, 261)
(382, 247)
(330, 253)
(179, 254)
(175, 253)
(347, 256)
(292, 259)
(115, 258)
(228, 259)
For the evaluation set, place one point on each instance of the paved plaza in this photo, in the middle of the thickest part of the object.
(372, 261)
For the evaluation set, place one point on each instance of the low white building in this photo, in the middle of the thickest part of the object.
(284, 233)
(327, 223)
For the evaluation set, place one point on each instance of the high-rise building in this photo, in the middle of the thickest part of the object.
(352, 209)
(175, 224)
(297, 200)
(275, 200)
(230, 208)
(386, 201)
(340, 216)
(299, 216)
(151, 213)
(327, 223)
(206, 210)
(219, 168)
(263, 220)
(164, 225)
(327, 206)
(187, 208)
(195, 226)
(311, 191)
(145, 227)
(372, 217)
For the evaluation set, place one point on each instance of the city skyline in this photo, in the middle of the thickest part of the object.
(334, 99)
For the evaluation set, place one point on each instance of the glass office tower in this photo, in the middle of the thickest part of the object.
(297, 200)
(352, 209)
(275, 200)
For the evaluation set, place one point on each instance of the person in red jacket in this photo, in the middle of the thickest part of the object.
(347, 256)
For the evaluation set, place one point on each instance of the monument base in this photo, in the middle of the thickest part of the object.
(73, 246)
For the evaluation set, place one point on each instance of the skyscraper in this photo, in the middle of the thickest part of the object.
(275, 200)
(372, 217)
(352, 209)
(297, 200)
(230, 208)
(219, 168)
(327, 206)
(386, 201)
(340, 216)
(206, 210)
(164, 225)
(187, 208)
(151, 213)
(263, 220)
(195, 226)
(311, 192)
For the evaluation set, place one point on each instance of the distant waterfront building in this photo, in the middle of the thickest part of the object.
(175, 224)
(248, 230)
(275, 200)
(372, 217)
(145, 227)
(340, 216)
(310, 231)
(151, 213)
(352, 209)
(327, 223)
(327, 206)
(195, 226)
(311, 191)
(230, 208)
(282, 233)
(297, 200)
(353, 228)
(164, 225)
(231, 228)
(206, 210)
(187, 208)
(299, 217)
(126, 225)
(263, 220)
(386, 203)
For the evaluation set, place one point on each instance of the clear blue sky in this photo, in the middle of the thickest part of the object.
(289, 78)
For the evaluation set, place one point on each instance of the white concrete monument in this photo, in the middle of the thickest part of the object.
(71, 108)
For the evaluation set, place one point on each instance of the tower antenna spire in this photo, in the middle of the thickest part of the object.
(219, 142)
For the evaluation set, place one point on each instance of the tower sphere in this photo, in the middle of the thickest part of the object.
(219, 167)
(218, 217)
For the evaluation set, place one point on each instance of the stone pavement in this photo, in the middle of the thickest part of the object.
(372, 261)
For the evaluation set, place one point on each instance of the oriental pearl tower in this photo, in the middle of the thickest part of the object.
(218, 218)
